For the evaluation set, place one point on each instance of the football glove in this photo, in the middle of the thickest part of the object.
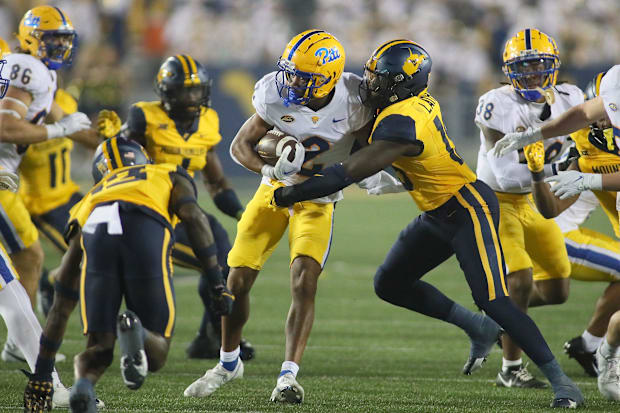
(516, 140)
(68, 125)
(223, 300)
(285, 168)
(571, 183)
(108, 123)
(269, 197)
(8, 181)
(535, 156)
(38, 393)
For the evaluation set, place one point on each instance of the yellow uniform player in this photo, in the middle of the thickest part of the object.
(460, 213)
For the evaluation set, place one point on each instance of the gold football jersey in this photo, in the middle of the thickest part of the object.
(45, 168)
(594, 160)
(435, 175)
(165, 144)
(147, 186)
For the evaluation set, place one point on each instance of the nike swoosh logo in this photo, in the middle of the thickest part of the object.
(504, 382)
(337, 120)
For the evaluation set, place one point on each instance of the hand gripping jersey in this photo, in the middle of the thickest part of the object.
(29, 74)
(505, 111)
(435, 175)
(325, 134)
(610, 92)
(166, 144)
(45, 168)
(145, 186)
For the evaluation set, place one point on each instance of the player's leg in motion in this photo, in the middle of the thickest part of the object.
(471, 231)
(529, 241)
(608, 360)
(258, 234)
(594, 257)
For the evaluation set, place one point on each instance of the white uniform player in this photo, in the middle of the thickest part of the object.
(533, 246)
(311, 99)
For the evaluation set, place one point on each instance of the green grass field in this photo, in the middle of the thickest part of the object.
(364, 355)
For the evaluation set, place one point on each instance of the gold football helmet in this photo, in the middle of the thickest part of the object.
(47, 33)
(310, 66)
(531, 62)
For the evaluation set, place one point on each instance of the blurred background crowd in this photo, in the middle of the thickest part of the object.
(123, 42)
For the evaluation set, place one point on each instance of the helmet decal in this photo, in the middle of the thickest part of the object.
(412, 64)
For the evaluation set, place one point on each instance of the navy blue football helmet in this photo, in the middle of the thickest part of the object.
(115, 153)
(4, 83)
(397, 70)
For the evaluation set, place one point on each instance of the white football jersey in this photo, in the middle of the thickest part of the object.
(325, 133)
(504, 110)
(610, 92)
(572, 218)
(30, 74)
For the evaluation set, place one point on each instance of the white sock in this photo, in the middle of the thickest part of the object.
(608, 350)
(227, 356)
(591, 342)
(23, 326)
(290, 366)
(510, 363)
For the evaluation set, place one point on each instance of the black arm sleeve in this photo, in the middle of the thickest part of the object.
(396, 128)
(136, 125)
(326, 182)
(227, 202)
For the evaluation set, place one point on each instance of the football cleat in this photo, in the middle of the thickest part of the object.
(576, 350)
(213, 379)
(609, 375)
(205, 346)
(246, 350)
(82, 397)
(481, 344)
(518, 376)
(61, 398)
(564, 403)
(12, 354)
(134, 364)
(287, 390)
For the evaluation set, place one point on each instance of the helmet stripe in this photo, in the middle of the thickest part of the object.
(597, 86)
(193, 68)
(300, 41)
(389, 44)
(62, 16)
(116, 152)
(107, 149)
(528, 39)
(185, 68)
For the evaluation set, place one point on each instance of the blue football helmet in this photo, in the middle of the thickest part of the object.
(115, 153)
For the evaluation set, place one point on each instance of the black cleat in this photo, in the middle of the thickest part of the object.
(247, 352)
(518, 376)
(576, 350)
(134, 364)
(564, 403)
(207, 345)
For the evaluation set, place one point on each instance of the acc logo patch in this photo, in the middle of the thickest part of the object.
(287, 118)
(315, 119)
(412, 64)
(520, 129)
(613, 106)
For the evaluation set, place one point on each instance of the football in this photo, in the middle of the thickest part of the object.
(270, 146)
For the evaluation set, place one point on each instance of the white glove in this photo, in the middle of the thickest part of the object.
(516, 140)
(571, 183)
(381, 183)
(8, 181)
(68, 125)
(284, 168)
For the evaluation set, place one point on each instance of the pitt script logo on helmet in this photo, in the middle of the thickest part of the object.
(47, 33)
(531, 62)
(4, 83)
(310, 66)
(397, 70)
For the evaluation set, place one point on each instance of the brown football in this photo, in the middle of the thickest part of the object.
(270, 146)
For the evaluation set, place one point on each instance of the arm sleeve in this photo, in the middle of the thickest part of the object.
(136, 121)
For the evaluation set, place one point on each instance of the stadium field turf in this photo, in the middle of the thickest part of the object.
(364, 355)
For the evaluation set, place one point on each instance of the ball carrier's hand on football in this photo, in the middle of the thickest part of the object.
(285, 167)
